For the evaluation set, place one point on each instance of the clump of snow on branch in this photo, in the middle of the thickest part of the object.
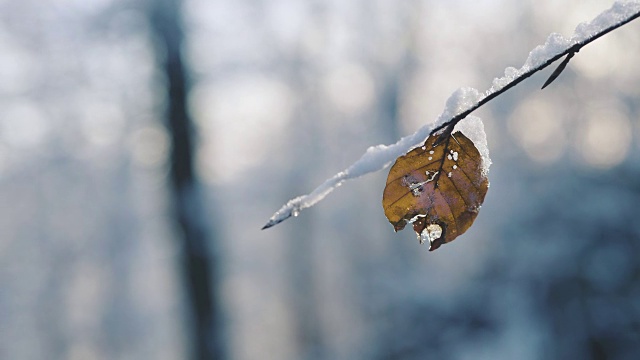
(510, 73)
(380, 156)
(554, 45)
(619, 12)
(460, 101)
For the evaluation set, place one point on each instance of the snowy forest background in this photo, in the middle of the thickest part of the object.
(285, 94)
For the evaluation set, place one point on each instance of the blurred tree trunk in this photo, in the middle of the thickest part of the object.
(198, 248)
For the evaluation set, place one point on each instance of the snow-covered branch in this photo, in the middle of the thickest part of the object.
(466, 100)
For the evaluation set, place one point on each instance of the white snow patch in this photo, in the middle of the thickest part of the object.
(619, 12)
(415, 218)
(554, 45)
(473, 128)
(430, 233)
(510, 74)
(460, 101)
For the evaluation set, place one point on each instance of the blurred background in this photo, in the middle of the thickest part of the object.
(123, 235)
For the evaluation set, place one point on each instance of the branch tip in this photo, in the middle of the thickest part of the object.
(272, 223)
(277, 218)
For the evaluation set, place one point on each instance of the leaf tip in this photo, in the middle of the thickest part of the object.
(558, 70)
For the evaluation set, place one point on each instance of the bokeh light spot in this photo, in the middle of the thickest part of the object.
(605, 138)
(539, 130)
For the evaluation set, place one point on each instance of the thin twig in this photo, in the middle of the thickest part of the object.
(573, 49)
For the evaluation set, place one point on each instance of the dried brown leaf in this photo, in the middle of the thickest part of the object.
(439, 189)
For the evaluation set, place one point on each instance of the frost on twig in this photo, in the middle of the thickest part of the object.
(465, 100)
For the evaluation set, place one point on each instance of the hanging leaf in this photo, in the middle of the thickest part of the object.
(439, 189)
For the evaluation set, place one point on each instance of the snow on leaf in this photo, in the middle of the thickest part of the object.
(473, 128)
(439, 200)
